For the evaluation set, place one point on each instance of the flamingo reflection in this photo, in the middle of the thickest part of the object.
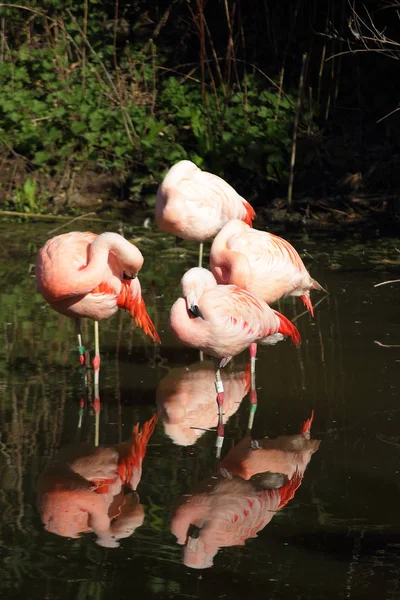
(84, 489)
(228, 509)
(186, 399)
(285, 454)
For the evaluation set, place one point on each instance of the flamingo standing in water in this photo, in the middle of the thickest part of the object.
(88, 275)
(222, 321)
(262, 263)
(83, 489)
(193, 204)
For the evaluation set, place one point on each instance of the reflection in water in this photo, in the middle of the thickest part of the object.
(229, 509)
(186, 397)
(84, 489)
(285, 454)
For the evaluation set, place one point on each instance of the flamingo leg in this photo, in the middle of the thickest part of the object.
(220, 401)
(82, 362)
(253, 390)
(201, 247)
(96, 359)
(81, 348)
(96, 367)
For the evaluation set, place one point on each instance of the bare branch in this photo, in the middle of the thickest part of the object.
(385, 282)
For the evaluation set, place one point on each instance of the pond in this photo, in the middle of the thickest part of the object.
(337, 537)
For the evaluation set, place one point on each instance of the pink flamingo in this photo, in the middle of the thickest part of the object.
(229, 319)
(226, 512)
(88, 275)
(286, 454)
(242, 500)
(262, 263)
(193, 204)
(186, 400)
(82, 490)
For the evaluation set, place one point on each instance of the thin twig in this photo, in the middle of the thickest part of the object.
(295, 131)
(386, 345)
(385, 282)
(11, 213)
(306, 311)
(71, 221)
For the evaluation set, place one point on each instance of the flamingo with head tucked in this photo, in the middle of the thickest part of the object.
(83, 489)
(262, 263)
(88, 275)
(186, 400)
(193, 204)
(255, 480)
(222, 321)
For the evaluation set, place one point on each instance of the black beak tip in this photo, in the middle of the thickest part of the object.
(194, 532)
(131, 276)
(195, 311)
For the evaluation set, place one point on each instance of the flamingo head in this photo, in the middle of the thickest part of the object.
(195, 283)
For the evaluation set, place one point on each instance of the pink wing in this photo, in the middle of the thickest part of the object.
(238, 313)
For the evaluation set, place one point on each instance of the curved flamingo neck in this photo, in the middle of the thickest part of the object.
(90, 276)
(231, 267)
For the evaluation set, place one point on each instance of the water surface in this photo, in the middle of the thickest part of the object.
(339, 537)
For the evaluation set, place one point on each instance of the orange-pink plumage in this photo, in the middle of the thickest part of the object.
(260, 262)
(82, 490)
(82, 274)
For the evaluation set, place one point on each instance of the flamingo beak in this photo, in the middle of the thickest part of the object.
(194, 532)
(195, 311)
(193, 308)
(130, 275)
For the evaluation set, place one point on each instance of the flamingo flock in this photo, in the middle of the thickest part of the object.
(222, 311)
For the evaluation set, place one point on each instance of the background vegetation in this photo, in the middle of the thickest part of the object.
(98, 99)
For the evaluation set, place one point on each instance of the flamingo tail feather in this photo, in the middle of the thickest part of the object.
(287, 491)
(286, 327)
(137, 450)
(307, 424)
(250, 214)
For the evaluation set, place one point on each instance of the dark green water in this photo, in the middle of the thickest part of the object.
(340, 535)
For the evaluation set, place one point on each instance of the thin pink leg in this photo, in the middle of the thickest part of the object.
(220, 402)
(96, 367)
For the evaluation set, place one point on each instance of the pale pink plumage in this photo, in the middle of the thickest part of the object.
(86, 275)
(193, 204)
(260, 262)
(232, 317)
(286, 454)
(228, 513)
(186, 397)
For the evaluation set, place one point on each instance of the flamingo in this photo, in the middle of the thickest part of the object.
(286, 454)
(262, 263)
(82, 490)
(227, 511)
(193, 204)
(222, 321)
(186, 402)
(88, 275)
(255, 480)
